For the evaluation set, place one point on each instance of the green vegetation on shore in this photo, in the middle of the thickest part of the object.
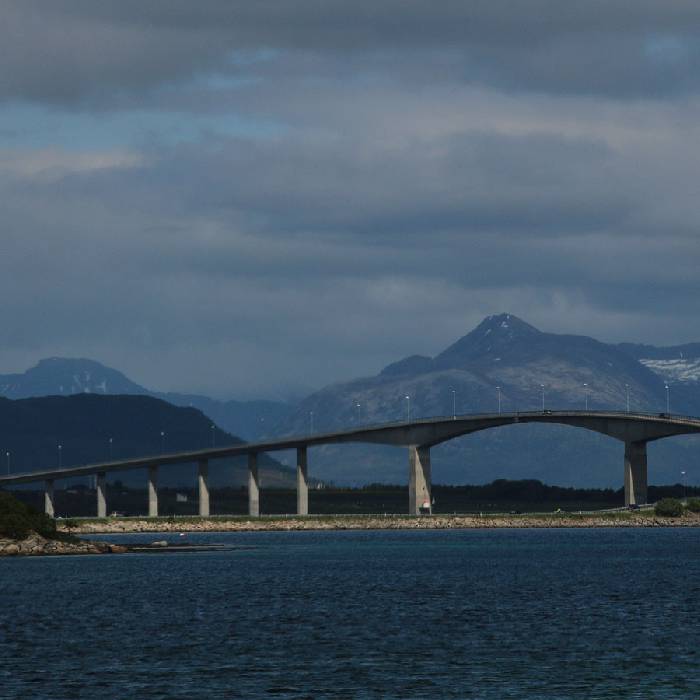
(18, 519)
(693, 505)
(669, 508)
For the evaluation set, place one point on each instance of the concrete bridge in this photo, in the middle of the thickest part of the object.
(634, 429)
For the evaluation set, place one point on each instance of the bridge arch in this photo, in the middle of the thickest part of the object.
(634, 430)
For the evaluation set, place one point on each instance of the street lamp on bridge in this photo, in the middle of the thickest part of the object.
(542, 386)
(685, 488)
(498, 391)
(454, 404)
(668, 398)
(627, 391)
(585, 394)
(408, 408)
(358, 412)
(7, 454)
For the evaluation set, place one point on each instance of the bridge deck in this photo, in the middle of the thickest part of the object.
(396, 433)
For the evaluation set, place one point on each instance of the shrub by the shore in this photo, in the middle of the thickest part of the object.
(17, 519)
(693, 505)
(669, 508)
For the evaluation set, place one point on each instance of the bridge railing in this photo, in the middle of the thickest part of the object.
(505, 414)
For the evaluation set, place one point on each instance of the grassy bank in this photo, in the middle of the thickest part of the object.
(499, 496)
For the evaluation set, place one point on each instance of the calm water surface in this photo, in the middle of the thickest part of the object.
(453, 614)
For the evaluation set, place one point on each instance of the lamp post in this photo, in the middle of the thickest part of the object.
(60, 458)
(213, 435)
(627, 391)
(408, 408)
(7, 454)
(685, 488)
(498, 391)
(668, 398)
(162, 441)
(454, 404)
(358, 412)
(585, 394)
(542, 386)
(111, 440)
(311, 422)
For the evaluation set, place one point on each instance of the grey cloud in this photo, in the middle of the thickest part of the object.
(226, 255)
(84, 52)
(471, 182)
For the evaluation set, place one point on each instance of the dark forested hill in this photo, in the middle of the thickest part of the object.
(91, 428)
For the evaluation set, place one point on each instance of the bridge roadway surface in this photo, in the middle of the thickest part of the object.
(634, 429)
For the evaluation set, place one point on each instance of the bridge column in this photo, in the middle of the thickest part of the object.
(153, 492)
(302, 482)
(101, 489)
(203, 487)
(253, 485)
(48, 498)
(635, 473)
(418, 478)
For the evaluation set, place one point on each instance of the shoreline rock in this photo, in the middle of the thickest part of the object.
(36, 545)
(436, 522)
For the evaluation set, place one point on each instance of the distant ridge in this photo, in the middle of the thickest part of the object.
(677, 363)
(60, 376)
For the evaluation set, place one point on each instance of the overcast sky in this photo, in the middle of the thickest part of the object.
(248, 198)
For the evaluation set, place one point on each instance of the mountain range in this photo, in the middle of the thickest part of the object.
(508, 361)
(504, 360)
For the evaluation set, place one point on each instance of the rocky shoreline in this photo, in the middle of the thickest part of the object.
(36, 545)
(436, 522)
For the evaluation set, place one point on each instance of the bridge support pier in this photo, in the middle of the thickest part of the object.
(48, 498)
(203, 487)
(418, 478)
(635, 473)
(153, 492)
(101, 489)
(253, 485)
(302, 482)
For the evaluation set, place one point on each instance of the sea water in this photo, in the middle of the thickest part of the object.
(550, 613)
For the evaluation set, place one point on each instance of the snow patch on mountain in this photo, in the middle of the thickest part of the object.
(680, 369)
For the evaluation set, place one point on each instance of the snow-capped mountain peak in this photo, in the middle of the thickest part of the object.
(66, 376)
